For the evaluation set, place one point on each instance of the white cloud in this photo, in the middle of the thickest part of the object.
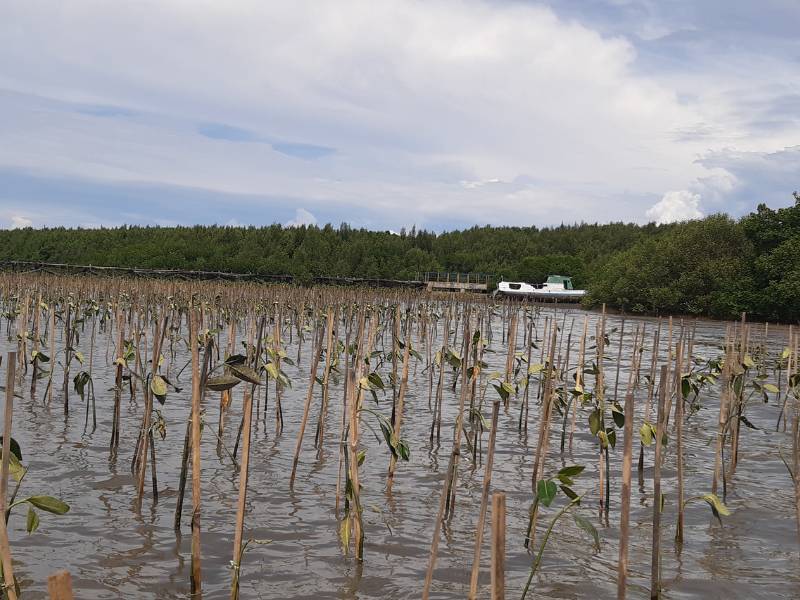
(425, 104)
(676, 206)
(19, 222)
(302, 217)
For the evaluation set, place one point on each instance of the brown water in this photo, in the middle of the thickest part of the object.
(113, 552)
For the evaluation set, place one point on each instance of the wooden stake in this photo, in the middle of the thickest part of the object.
(625, 500)
(655, 566)
(5, 548)
(398, 417)
(59, 586)
(487, 481)
(498, 546)
(195, 577)
(306, 408)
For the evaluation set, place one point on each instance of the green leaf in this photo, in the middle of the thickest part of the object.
(40, 356)
(686, 387)
(32, 521)
(376, 380)
(546, 491)
(572, 471)
(771, 388)
(569, 492)
(79, 382)
(646, 433)
(236, 359)
(386, 429)
(747, 422)
(501, 391)
(15, 449)
(594, 421)
(618, 415)
(247, 374)
(403, 451)
(361, 456)
(584, 524)
(50, 504)
(612, 437)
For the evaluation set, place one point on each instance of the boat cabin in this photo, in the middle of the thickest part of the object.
(559, 282)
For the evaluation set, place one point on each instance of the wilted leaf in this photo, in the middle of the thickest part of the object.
(222, 383)
(247, 374)
(718, 508)
(534, 369)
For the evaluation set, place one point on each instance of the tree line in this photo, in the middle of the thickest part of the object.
(717, 266)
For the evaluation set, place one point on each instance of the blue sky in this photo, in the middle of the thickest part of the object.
(392, 113)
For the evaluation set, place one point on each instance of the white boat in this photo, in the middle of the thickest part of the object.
(557, 288)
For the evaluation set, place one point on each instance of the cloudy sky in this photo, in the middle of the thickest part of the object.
(390, 113)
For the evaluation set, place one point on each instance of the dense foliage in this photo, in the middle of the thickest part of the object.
(716, 266)
(513, 252)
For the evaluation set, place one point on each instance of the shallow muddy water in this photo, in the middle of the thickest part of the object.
(114, 552)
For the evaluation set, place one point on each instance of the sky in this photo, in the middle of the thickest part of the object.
(441, 114)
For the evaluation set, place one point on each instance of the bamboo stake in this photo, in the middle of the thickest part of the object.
(679, 450)
(487, 481)
(5, 548)
(11, 366)
(655, 566)
(625, 498)
(196, 576)
(52, 340)
(498, 545)
(115, 423)
(307, 407)
(398, 416)
(445, 497)
(331, 350)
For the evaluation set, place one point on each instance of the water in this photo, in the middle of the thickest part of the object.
(112, 551)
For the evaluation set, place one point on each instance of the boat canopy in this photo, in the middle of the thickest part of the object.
(560, 280)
